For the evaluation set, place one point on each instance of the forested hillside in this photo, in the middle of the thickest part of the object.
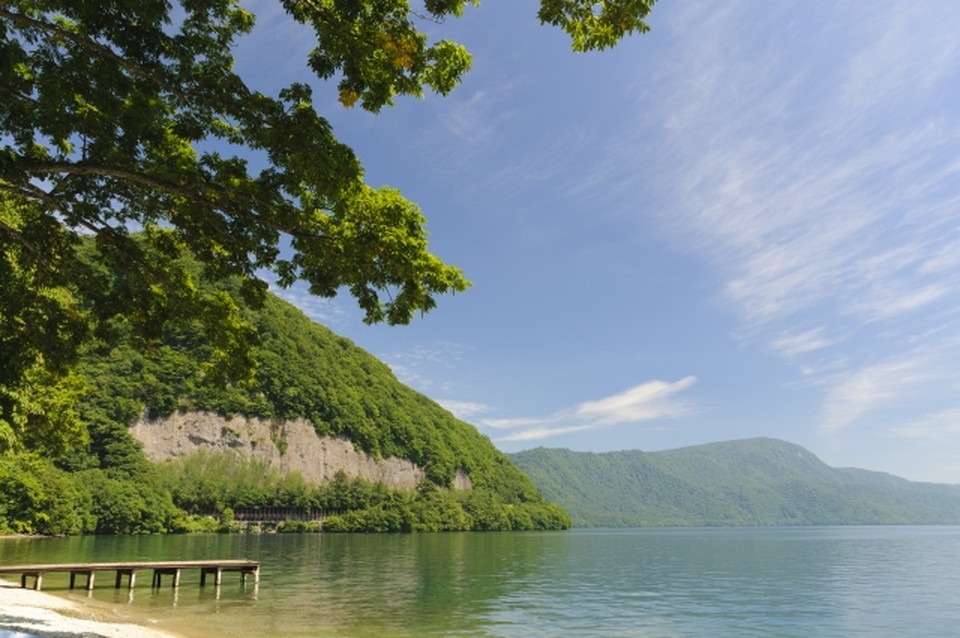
(77, 469)
(751, 482)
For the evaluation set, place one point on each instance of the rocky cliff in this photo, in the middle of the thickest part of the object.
(288, 446)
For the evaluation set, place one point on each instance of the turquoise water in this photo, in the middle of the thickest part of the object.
(832, 581)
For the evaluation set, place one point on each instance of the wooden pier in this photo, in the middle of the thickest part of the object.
(214, 568)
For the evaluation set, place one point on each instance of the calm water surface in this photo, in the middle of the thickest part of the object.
(836, 581)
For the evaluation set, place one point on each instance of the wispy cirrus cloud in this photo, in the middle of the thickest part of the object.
(418, 366)
(653, 400)
(823, 186)
(472, 119)
(872, 388)
(794, 344)
(464, 410)
(329, 312)
(942, 427)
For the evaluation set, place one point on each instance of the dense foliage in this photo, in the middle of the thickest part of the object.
(751, 482)
(99, 476)
(106, 488)
(117, 115)
(212, 483)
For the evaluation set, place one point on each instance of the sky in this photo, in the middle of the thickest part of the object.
(743, 223)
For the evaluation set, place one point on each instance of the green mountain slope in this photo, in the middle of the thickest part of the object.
(100, 482)
(751, 482)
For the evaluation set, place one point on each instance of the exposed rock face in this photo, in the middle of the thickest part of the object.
(316, 457)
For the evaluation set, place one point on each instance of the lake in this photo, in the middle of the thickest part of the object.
(825, 581)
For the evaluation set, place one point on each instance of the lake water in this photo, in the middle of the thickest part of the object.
(828, 581)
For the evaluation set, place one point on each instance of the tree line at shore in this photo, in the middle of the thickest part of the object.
(200, 494)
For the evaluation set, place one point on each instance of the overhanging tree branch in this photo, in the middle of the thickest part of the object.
(195, 193)
(143, 84)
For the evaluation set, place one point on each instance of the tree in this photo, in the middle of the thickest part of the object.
(118, 116)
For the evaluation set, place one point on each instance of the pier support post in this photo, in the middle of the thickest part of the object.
(37, 580)
(86, 572)
(172, 571)
(217, 575)
(255, 572)
(132, 573)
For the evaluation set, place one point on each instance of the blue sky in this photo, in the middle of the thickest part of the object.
(744, 223)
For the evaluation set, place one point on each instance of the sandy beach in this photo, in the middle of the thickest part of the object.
(28, 612)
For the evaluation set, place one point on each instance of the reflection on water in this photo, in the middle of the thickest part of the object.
(688, 582)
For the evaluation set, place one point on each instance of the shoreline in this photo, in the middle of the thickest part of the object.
(48, 616)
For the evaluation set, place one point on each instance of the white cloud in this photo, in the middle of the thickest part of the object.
(418, 366)
(912, 52)
(640, 403)
(329, 312)
(873, 388)
(791, 345)
(470, 119)
(947, 260)
(644, 402)
(464, 410)
(939, 427)
(539, 434)
(896, 298)
(524, 422)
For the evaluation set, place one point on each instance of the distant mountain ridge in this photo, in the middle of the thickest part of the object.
(758, 481)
